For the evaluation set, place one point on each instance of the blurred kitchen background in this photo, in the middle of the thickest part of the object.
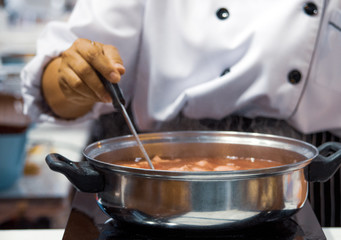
(21, 22)
(31, 195)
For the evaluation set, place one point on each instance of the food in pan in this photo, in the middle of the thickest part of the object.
(228, 163)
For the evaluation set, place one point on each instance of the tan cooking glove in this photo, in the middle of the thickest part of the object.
(70, 84)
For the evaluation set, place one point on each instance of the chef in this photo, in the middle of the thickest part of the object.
(257, 66)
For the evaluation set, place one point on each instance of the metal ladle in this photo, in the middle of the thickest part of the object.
(118, 102)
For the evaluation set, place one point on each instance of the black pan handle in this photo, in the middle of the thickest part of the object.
(80, 174)
(323, 167)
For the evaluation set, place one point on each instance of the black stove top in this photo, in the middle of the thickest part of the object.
(87, 221)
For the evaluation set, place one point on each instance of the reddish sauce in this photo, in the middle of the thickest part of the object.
(229, 163)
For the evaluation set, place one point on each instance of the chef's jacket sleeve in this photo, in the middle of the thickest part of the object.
(114, 23)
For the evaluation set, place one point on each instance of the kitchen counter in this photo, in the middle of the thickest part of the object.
(331, 234)
(55, 234)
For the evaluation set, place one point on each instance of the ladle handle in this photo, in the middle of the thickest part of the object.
(119, 102)
(81, 174)
(115, 92)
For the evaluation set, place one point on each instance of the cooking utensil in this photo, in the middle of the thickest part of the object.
(118, 102)
(201, 200)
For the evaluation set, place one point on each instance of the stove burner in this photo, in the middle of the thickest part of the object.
(88, 222)
(282, 230)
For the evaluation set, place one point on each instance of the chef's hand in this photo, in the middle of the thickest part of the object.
(77, 75)
(70, 83)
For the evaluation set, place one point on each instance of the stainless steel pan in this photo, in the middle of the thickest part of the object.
(200, 200)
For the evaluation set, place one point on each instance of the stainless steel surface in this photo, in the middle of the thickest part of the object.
(197, 200)
(118, 102)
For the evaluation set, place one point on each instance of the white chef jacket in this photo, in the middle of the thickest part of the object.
(209, 59)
